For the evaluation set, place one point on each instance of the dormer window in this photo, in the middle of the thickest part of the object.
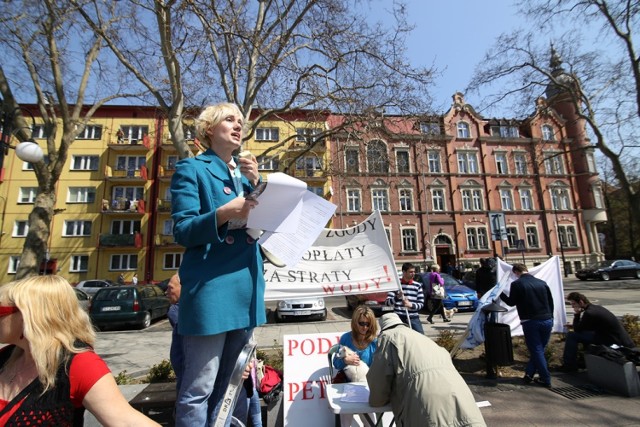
(463, 130)
(547, 133)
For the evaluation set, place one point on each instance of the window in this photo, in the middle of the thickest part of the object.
(567, 236)
(91, 132)
(189, 132)
(437, 199)
(26, 166)
(526, 199)
(167, 227)
(501, 163)
(79, 263)
(125, 226)
(39, 132)
(353, 200)
(477, 238)
(597, 197)
(409, 240)
(547, 133)
(463, 130)
(512, 237)
(520, 161)
(553, 164)
(430, 128)
(27, 194)
(377, 159)
(81, 195)
(467, 162)
(130, 163)
(380, 199)
(532, 237)
(503, 131)
(351, 160)
(319, 191)
(405, 197)
(14, 263)
(172, 261)
(591, 163)
(172, 160)
(128, 193)
(268, 163)
(133, 134)
(267, 134)
(123, 262)
(20, 228)
(310, 164)
(506, 199)
(84, 163)
(471, 199)
(308, 135)
(434, 161)
(476, 196)
(560, 199)
(402, 161)
(77, 228)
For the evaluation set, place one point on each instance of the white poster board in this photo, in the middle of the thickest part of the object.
(305, 365)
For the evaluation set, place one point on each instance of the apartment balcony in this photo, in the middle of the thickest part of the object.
(194, 145)
(164, 205)
(165, 240)
(165, 173)
(126, 176)
(122, 205)
(127, 145)
(121, 240)
(310, 174)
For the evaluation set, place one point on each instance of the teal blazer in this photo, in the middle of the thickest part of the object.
(221, 271)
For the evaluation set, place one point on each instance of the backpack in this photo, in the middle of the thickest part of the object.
(269, 383)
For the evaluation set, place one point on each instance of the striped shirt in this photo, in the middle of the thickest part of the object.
(413, 292)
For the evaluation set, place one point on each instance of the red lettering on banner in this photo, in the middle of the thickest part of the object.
(328, 289)
(312, 389)
(310, 346)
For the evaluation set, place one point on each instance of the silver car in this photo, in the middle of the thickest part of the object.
(298, 308)
(94, 285)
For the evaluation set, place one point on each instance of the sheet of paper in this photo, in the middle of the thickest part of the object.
(280, 205)
(355, 393)
(290, 247)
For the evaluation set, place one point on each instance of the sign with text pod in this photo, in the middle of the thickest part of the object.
(354, 260)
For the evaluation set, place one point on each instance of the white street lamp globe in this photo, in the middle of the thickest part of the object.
(29, 152)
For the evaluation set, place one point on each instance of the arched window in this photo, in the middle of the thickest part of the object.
(463, 130)
(547, 133)
(377, 157)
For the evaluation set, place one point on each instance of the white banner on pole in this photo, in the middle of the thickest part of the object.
(356, 260)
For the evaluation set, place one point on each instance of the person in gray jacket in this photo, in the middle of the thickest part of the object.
(418, 377)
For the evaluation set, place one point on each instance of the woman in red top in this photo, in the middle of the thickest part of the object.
(49, 372)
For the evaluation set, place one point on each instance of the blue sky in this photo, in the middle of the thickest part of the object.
(454, 37)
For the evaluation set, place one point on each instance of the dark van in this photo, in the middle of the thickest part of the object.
(128, 306)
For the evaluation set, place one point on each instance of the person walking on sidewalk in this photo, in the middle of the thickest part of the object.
(410, 298)
(434, 301)
(534, 302)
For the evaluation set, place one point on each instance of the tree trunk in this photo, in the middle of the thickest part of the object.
(36, 243)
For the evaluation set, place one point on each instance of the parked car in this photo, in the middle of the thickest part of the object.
(374, 301)
(457, 295)
(312, 307)
(93, 286)
(83, 299)
(128, 305)
(613, 269)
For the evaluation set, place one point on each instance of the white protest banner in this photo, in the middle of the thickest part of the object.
(549, 271)
(306, 363)
(354, 260)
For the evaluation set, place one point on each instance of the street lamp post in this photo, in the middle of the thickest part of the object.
(27, 151)
(555, 212)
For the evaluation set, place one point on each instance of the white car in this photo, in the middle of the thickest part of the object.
(94, 285)
(301, 308)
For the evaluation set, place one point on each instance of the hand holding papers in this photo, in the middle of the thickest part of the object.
(291, 217)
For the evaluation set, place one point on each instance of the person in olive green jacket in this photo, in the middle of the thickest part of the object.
(418, 377)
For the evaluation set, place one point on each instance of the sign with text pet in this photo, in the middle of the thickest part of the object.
(307, 368)
(356, 260)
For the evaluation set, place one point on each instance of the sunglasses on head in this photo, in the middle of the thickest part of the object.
(7, 310)
(367, 324)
